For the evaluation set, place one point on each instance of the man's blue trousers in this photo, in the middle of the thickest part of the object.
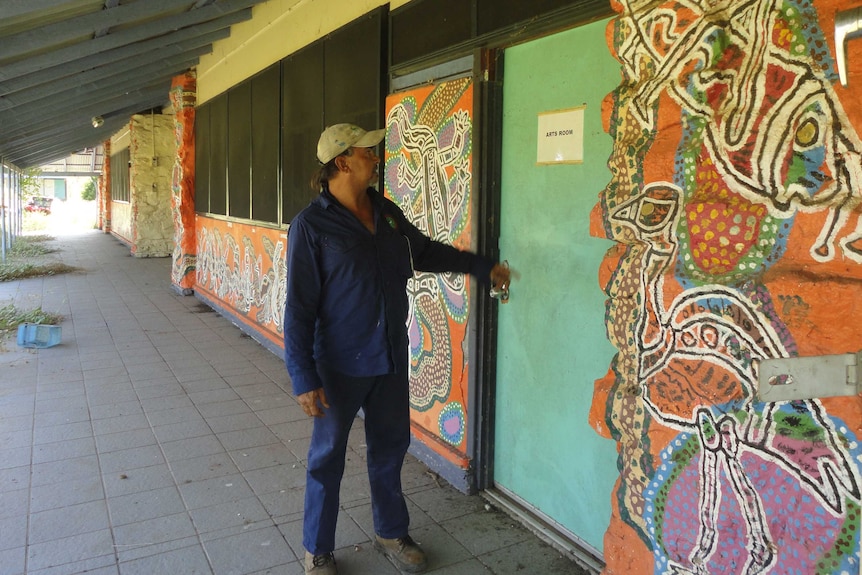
(385, 403)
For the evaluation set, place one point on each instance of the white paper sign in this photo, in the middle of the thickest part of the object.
(561, 137)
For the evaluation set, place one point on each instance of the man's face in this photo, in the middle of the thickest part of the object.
(363, 163)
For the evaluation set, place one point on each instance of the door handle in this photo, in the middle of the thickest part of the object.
(501, 293)
(848, 24)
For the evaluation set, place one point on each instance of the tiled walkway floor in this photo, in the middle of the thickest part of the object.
(159, 439)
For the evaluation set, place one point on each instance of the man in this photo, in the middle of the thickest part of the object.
(350, 254)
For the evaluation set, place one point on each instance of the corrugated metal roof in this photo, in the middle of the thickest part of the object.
(65, 62)
(86, 162)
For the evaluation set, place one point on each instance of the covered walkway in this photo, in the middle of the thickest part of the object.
(157, 438)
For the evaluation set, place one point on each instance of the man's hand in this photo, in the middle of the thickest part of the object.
(313, 402)
(500, 276)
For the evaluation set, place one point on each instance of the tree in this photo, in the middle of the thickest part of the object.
(89, 191)
(31, 184)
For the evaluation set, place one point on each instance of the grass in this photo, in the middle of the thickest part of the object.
(30, 246)
(28, 257)
(11, 317)
(19, 259)
(18, 271)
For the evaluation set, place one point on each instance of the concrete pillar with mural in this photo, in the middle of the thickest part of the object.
(735, 205)
(183, 90)
(152, 151)
(105, 191)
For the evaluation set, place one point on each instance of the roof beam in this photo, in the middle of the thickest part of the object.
(175, 42)
(125, 37)
(51, 152)
(76, 127)
(46, 37)
(138, 66)
(97, 104)
(15, 8)
(108, 5)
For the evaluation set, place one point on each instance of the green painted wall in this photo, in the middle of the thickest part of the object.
(552, 341)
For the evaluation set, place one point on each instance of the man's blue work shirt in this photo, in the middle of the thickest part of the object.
(347, 300)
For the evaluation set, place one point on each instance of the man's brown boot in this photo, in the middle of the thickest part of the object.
(403, 552)
(323, 564)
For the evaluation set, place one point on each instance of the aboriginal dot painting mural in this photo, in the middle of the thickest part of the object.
(427, 172)
(735, 201)
(242, 269)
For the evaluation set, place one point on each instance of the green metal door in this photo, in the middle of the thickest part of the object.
(551, 342)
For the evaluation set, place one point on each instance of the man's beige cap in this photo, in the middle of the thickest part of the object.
(337, 138)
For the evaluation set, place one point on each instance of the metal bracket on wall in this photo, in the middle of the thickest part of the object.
(791, 378)
(848, 24)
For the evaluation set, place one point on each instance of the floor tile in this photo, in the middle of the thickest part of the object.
(166, 402)
(122, 423)
(127, 459)
(248, 552)
(66, 431)
(72, 493)
(114, 410)
(69, 550)
(137, 480)
(108, 442)
(265, 456)
(246, 438)
(531, 556)
(14, 503)
(221, 408)
(69, 449)
(213, 396)
(142, 538)
(173, 416)
(236, 422)
(15, 457)
(62, 522)
(71, 415)
(215, 491)
(278, 478)
(65, 470)
(236, 513)
(442, 503)
(188, 561)
(181, 430)
(485, 531)
(12, 561)
(284, 502)
(187, 470)
(14, 530)
(192, 447)
(144, 505)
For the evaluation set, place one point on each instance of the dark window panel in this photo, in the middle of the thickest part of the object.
(218, 155)
(494, 15)
(239, 151)
(302, 116)
(202, 158)
(120, 185)
(424, 27)
(354, 59)
(265, 122)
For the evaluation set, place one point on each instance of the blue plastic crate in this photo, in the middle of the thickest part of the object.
(37, 335)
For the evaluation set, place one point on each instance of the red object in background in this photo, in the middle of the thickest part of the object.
(39, 204)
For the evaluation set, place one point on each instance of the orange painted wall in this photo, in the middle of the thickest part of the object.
(241, 268)
(735, 202)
